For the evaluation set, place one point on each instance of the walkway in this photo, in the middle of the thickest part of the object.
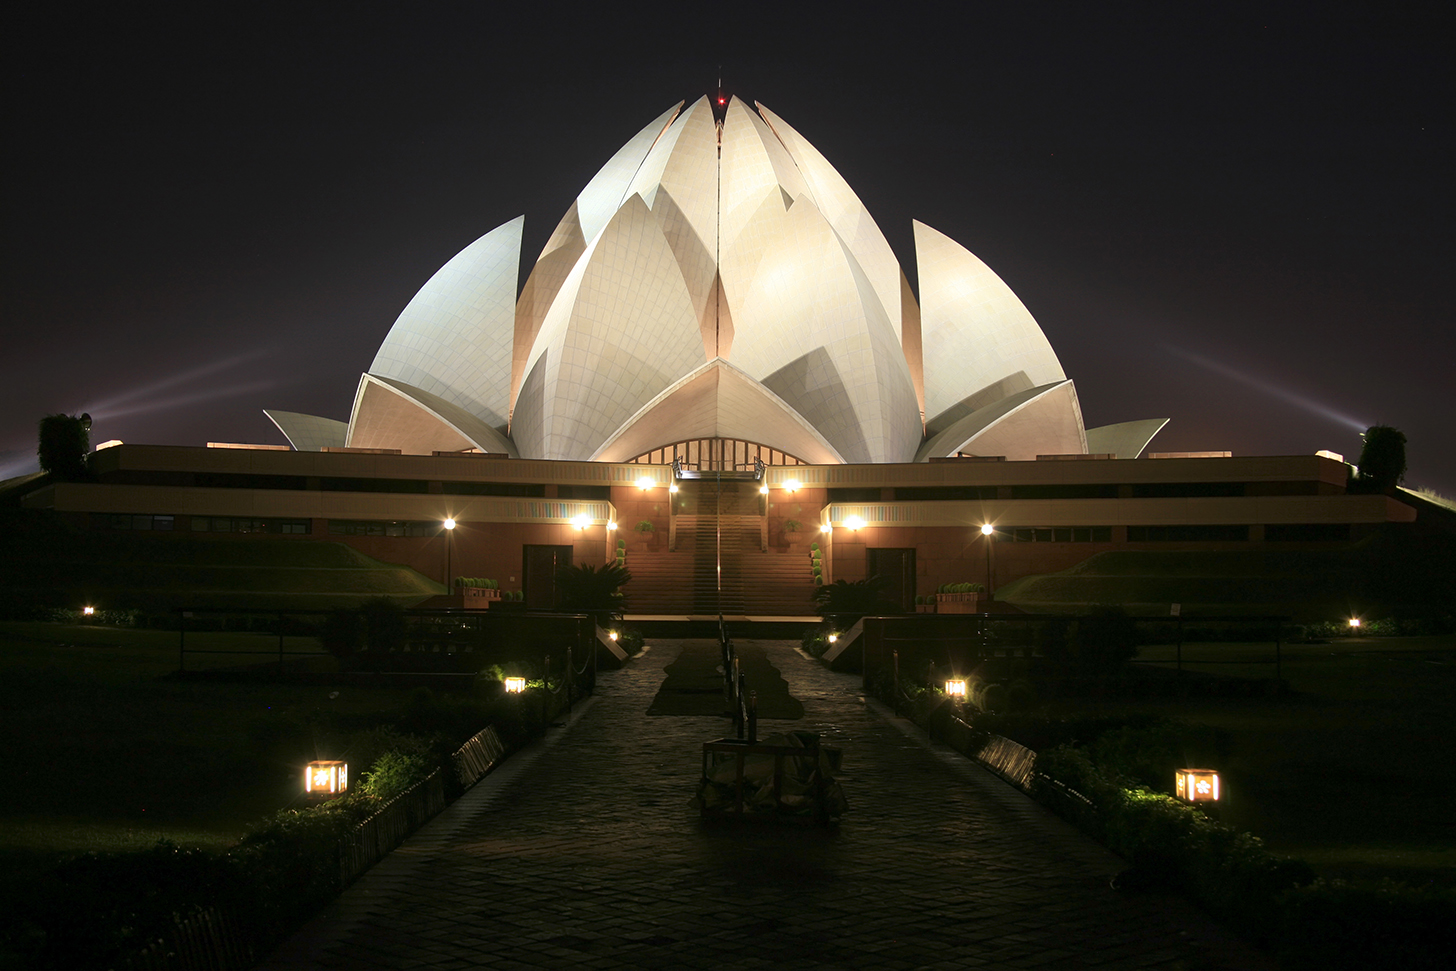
(585, 853)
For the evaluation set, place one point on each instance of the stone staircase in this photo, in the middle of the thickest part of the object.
(754, 582)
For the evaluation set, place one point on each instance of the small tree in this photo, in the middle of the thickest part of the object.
(1382, 459)
(849, 600)
(591, 590)
(64, 442)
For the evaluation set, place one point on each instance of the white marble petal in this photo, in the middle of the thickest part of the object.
(849, 217)
(454, 339)
(309, 433)
(391, 414)
(1038, 421)
(1125, 440)
(810, 327)
(622, 329)
(975, 331)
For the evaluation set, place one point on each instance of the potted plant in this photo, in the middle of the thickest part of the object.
(644, 531)
(793, 532)
(958, 598)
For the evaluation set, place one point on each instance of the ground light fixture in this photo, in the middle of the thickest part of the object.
(956, 688)
(612, 634)
(88, 611)
(833, 638)
(515, 685)
(326, 778)
(1354, 624)
(1196, 785)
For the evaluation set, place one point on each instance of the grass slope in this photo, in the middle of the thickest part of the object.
(44, 564)
(1396, 569)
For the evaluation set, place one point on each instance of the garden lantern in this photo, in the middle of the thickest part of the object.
(88, 611)
(326, 778)
(515, 685)
(1197, 785)
(1354, 624)
(956, 688)
(833, 638)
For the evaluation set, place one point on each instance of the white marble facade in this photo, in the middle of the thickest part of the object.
(717, 278)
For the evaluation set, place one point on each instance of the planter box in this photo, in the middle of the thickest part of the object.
(479, 598)
(925, 608)
(956, 603)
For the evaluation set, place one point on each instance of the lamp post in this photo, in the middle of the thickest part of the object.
(449, 548)
(987, 530)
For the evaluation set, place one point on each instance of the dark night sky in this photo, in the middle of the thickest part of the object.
(1237, 216)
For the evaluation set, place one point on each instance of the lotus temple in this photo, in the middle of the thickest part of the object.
(715, 365)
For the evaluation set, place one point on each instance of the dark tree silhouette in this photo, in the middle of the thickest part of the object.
(592, 590)
(849, 600)
(1382, 459)
(64, 442)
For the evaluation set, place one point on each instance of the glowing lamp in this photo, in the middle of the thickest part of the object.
(515, 685)
(956, 688)
(854, 523)
(88, 611)
(326, 778)
(987, 529)
(826, 528)
(645, 482)
(1196, 785)
(672, 488)
(763, 488)
(449, 524)
(1354, 622)
(582, 521)
(611, 524)
(793, 485)
(612, 635)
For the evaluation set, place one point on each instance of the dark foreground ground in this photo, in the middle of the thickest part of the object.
(584, 852)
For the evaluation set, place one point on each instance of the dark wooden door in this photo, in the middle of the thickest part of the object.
(898, 567)
(538, 574)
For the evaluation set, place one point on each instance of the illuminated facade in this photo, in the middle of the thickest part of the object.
(717, 280)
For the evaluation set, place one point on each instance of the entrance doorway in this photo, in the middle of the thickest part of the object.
(898, 567)
(538, 574)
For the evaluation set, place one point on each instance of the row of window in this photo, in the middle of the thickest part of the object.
(365, 527)
(1055, 534)
(235, 524)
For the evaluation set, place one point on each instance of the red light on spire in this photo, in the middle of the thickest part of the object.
(722, 98)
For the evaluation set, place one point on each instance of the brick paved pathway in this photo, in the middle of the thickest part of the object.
(585, 853)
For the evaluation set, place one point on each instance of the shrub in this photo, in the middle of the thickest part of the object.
(395, 772)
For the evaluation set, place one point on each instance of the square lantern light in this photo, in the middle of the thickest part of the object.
(88, 611)
(1197, 785)
(956, 688)
(326, 778)
(515, 685)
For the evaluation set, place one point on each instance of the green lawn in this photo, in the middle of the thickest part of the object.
(105, 752)
(1351, 773)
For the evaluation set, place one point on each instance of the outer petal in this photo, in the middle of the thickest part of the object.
(391, 414)
(849, 217)
(454, 338)
(718, 401)
(812, 330)
(977, 331)
(621, 331)
(1037, 421)
(309, 433)
(1125, 440)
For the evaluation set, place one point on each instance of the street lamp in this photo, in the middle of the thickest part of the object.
(449, 548)
(987, 530)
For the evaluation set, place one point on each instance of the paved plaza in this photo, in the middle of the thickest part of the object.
(584, 852)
